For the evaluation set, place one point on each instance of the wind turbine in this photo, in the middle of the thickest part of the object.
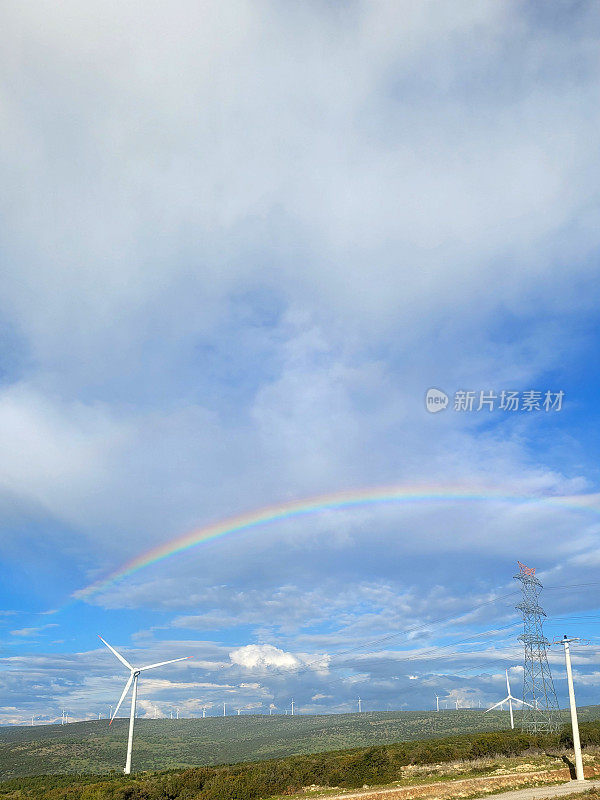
(510, 699)
(133, 678)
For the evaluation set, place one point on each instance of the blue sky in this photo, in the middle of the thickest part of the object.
(239, 242)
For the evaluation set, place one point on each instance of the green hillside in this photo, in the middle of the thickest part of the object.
(439, 759)
(93, 748)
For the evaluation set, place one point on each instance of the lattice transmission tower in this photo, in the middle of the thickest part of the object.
(540, 707)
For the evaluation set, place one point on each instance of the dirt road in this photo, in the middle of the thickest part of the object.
(518, 786)
(537, 792)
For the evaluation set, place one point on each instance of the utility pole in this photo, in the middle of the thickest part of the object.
(574, 723)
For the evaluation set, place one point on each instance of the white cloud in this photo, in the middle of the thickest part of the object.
(28, 632)
(238, 138)
(267, 656)
(254, 656)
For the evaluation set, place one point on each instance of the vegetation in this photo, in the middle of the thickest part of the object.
(92, 747)
(262, 779)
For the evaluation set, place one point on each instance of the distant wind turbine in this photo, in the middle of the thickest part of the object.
(133, 679)
(510, 699)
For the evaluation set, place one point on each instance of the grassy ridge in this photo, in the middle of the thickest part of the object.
(345, 769)
(92, 747)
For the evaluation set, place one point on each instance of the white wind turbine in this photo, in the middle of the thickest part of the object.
(133, 678)
(510, 699)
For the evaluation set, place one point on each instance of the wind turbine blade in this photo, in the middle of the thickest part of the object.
(125, 690)
(162, 663)
(496, 705)
(118, 655)
(507, 683)
(518, 700)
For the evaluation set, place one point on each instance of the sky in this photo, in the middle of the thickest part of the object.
(239, 243)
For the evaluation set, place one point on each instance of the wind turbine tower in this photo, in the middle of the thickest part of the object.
(510, 700)
(359, 705)
(292, 706)
(134, 674)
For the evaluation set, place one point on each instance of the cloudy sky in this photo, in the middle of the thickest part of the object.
(239, 243)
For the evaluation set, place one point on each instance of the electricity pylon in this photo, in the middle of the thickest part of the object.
(540, 707)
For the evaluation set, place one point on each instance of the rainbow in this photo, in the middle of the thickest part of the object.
(345, 500)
